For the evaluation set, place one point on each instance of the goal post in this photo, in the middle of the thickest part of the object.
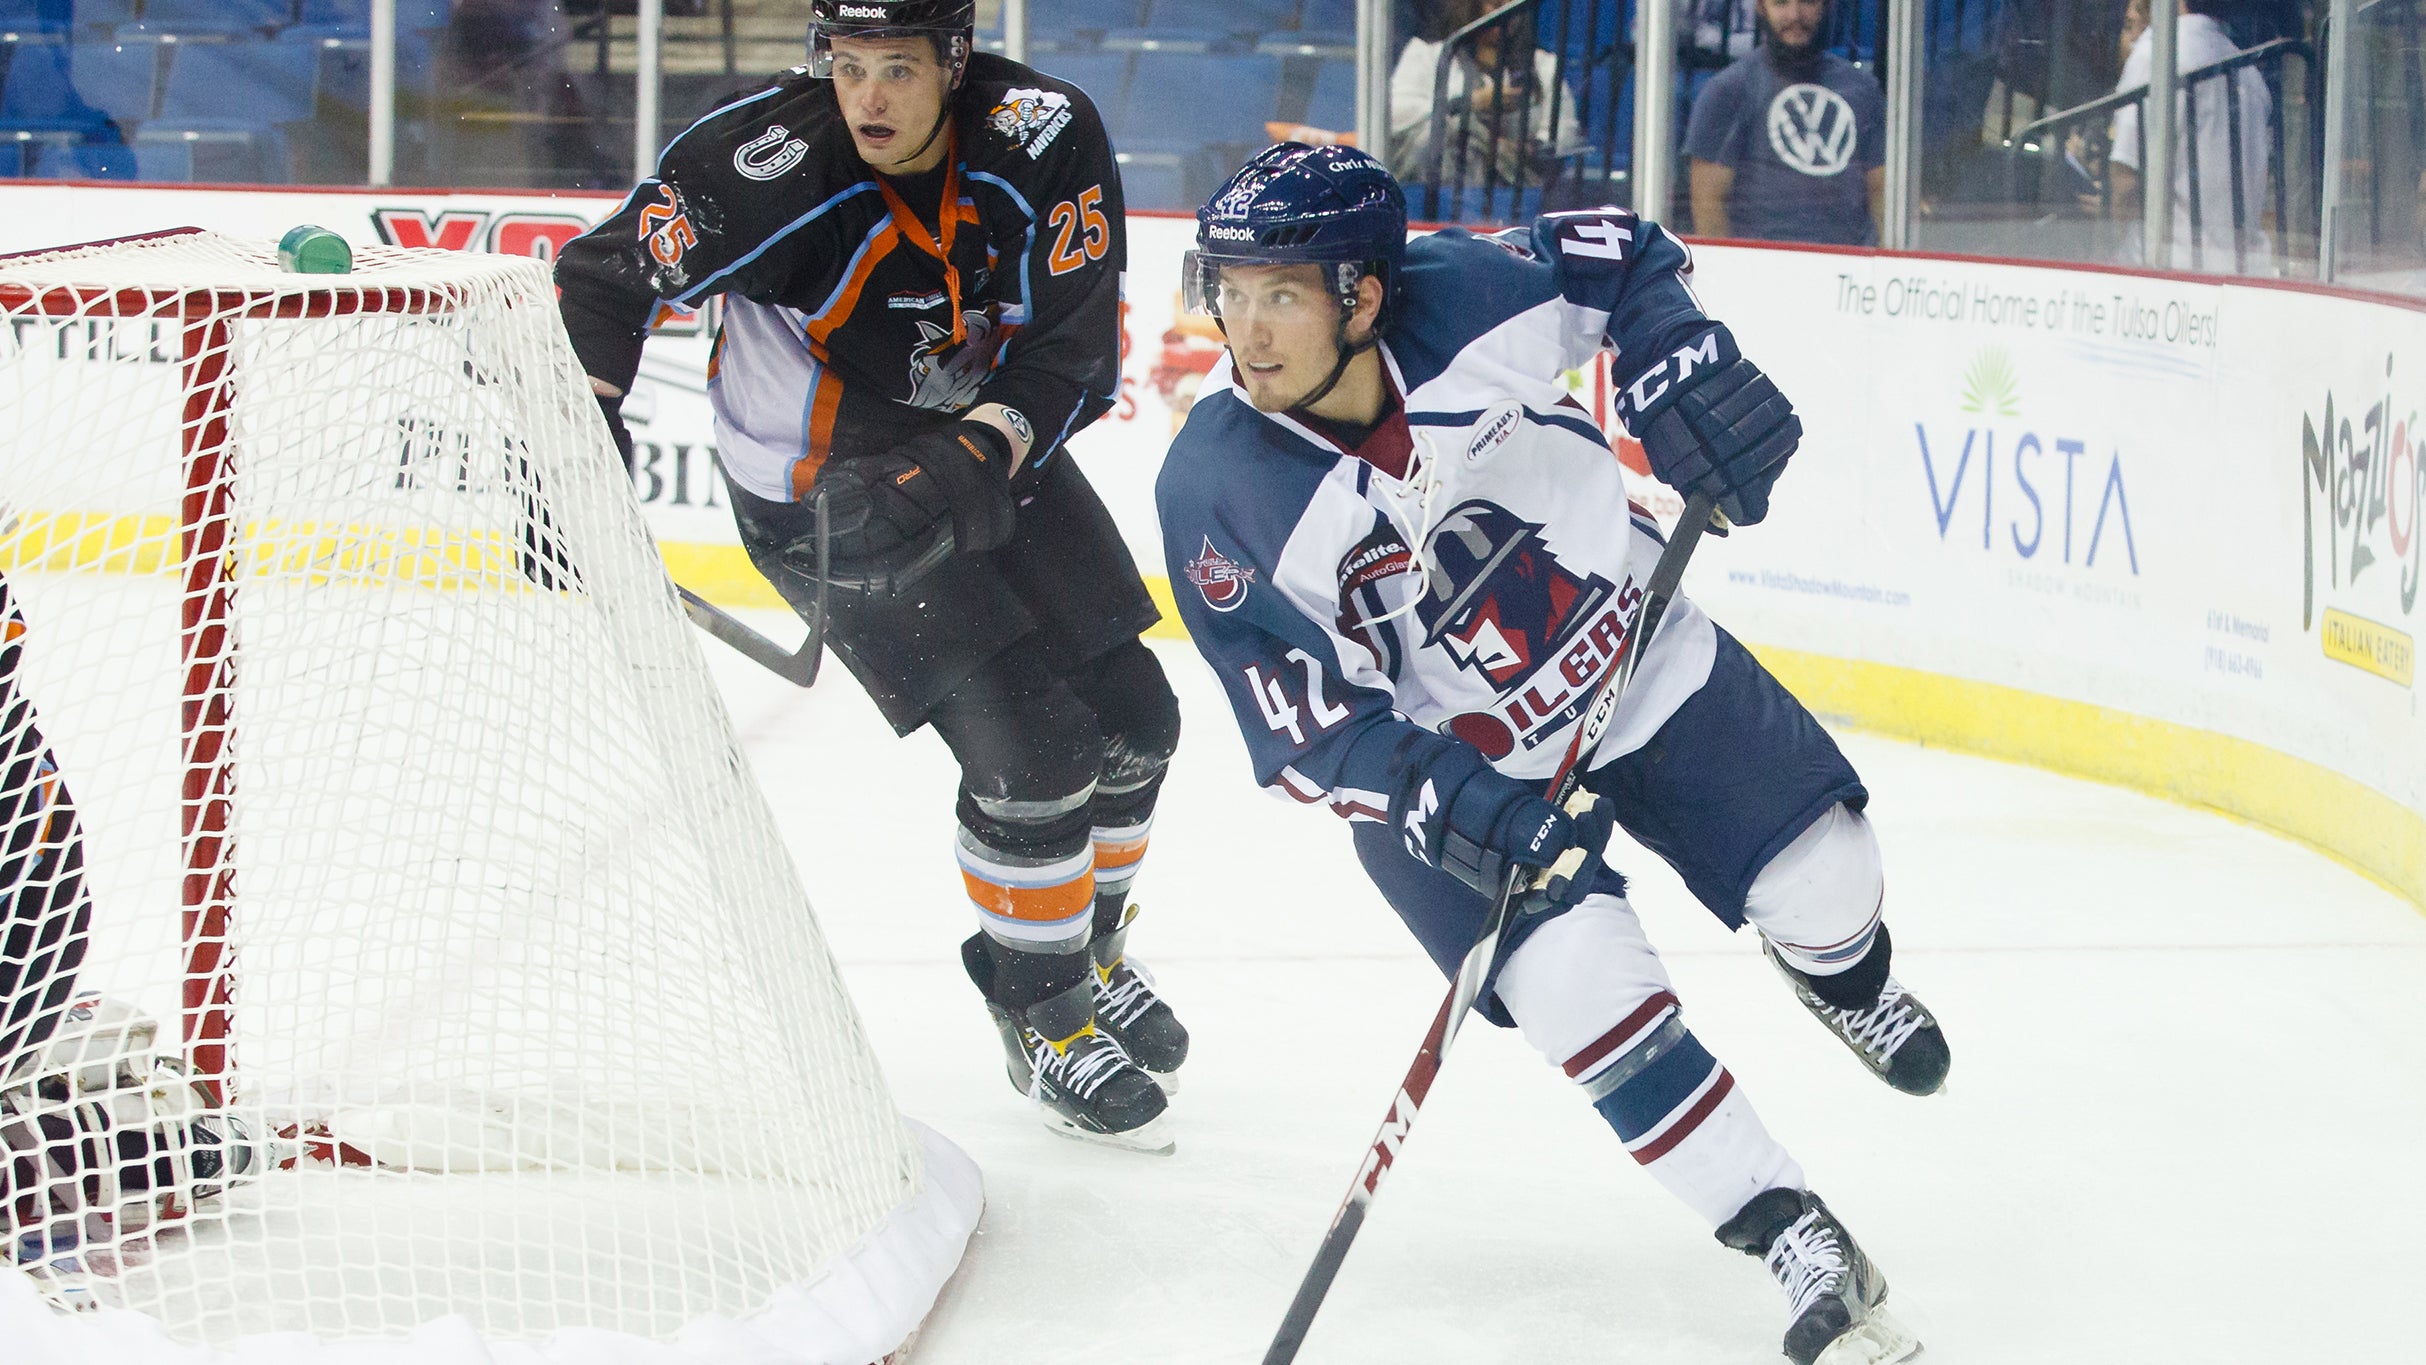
(411, 815)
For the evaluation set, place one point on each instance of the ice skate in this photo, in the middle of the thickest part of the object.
(1083, 1082)
(1835, 1296)
(1128, 1008)
(1895, 1036)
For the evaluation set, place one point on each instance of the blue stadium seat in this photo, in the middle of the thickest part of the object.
(1152, 180)
(1232, 16)
(352, 18)
(229, 103)
(1103, 75)
(228, 17)
(1059, 18)
(1334, 102)
(345, 67)
(98, 13)
(84, 161)
(166, 162)
(36, 16)
(12, 158)
(1330, 21)
(1184, 100)
(239, 85)
(1173, 38)
(1473, 205)
(81, 88)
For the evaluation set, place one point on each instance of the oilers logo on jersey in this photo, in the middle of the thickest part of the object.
(1499, 603)
(1221, 579)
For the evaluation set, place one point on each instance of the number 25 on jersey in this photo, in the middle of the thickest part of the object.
(1081, 232)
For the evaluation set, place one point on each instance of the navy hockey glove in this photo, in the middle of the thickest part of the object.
(1710, 421)
(968, 465)
(1455, 812)
(1537, 834)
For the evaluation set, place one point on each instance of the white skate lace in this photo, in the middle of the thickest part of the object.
(1124, 996)
(1081, 1070)
(1882, 1028)
(1807, 1259)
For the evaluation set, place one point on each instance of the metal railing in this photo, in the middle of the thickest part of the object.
(2047, 143)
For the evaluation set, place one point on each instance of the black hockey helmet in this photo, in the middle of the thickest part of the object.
(950, 24)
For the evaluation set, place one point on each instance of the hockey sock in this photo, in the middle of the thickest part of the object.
(1119, 851)
(1591, 995)
(1042, 901)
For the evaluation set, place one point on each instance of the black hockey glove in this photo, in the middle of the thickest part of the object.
(1455, 812)
(613, 408)
(1710, 421)
(969, 464)
(887, 525)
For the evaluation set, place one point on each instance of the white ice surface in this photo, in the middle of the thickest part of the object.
(2184, 1124)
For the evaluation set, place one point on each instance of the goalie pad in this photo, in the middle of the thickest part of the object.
(104, 1137)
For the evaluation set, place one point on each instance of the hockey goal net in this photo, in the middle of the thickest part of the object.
(437, 958)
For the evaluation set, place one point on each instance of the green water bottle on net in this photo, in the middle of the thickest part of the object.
(313, 250)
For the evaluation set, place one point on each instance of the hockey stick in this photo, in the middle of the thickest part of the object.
(798, 667)
(1666, 575)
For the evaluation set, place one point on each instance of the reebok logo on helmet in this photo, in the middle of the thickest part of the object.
(862, 11)
(1229, 234)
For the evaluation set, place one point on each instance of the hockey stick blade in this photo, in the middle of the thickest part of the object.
(796, 667)
(1666, 576)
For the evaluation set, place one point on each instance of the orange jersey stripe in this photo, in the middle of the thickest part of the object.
(1041, 904)
(847, 302)
(822, 410)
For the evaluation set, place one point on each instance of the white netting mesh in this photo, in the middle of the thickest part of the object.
(530, 1019)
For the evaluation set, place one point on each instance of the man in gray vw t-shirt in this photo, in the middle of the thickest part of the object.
(1789, 142)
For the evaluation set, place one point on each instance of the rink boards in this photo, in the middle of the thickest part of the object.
(2152, 530)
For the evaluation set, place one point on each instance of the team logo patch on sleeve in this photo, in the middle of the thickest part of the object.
(1222, 580)
(1031, 117)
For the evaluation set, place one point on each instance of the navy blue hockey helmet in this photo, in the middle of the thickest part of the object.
(1334, 206)
(951, 24)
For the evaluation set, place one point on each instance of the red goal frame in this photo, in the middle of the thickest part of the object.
(205, 319)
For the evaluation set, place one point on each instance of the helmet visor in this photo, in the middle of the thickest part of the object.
(1203, 290)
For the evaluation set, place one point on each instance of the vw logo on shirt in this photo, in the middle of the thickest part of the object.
(1811, 129)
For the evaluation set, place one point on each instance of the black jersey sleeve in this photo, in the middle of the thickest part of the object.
(696, 226)
(1061, 369)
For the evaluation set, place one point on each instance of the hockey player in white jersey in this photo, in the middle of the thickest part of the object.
(1409, 556)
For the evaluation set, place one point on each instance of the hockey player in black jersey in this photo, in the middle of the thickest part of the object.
(920, 249)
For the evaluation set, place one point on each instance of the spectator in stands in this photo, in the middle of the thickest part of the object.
(1789, 142)
(1712, 28)
(2218, 101)
(1498, 102)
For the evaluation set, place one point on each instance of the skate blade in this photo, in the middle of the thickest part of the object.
(1876, 1340)
(1152, 1137)
(1168, 1080)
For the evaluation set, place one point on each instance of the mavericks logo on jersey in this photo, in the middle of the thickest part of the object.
(1221, 579)
(1811, 129)
(943, 379)
(1031, 116)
